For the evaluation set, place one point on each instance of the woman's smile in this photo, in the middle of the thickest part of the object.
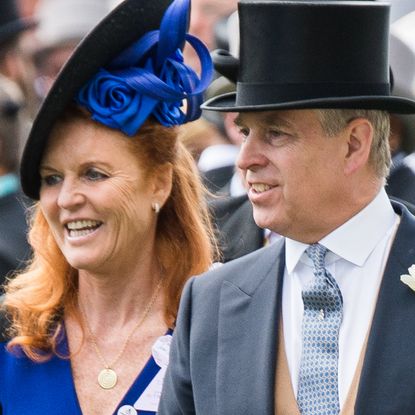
(80, 228)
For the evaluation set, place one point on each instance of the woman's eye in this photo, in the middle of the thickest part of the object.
(51, 179)
(95, 175)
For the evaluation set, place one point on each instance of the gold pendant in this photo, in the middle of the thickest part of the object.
(107, 378)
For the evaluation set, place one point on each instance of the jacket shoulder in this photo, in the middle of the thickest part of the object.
(242, 271)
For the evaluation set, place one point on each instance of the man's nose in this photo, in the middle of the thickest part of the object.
(252, 154)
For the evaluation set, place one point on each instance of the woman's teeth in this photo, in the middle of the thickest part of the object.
(260, 187)
(82, 227)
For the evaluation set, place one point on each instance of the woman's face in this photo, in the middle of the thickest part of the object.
(97, 198)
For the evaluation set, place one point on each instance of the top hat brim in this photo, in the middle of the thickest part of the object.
(119, 29)
(289, 63)
(400, 105)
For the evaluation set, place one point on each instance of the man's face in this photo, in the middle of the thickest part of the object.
(294, 172)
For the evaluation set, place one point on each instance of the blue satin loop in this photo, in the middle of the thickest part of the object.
(151, 78)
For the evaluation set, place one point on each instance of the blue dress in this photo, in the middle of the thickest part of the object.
(47, 388)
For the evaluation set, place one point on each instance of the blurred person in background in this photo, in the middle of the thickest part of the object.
(228, 180)
(120, 224)
(199, 134)
(211, 139)
(206, 15)
(27, 7)
(14, 62)
(217, 160)
(401, 180)
(14, 248)
(61, 26)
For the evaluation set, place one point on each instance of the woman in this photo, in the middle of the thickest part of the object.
(120, 223)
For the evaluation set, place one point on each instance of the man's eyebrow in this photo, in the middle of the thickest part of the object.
(275, 119)
(265, 119)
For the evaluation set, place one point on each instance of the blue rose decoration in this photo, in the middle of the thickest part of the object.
(150, 78)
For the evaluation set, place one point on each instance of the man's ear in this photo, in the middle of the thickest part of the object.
(162, 183)
(359, 143)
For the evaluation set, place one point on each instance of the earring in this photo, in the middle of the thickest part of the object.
(156, 207)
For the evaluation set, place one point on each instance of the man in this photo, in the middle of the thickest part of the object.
(318, 322)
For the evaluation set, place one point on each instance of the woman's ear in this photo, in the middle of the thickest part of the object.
(359, 143)
(162, 183)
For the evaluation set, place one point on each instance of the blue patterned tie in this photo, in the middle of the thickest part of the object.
(318, 381)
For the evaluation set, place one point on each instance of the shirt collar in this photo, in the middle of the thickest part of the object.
(355, 239)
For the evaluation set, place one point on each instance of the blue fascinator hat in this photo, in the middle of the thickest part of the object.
(150, 78)
(128, 68)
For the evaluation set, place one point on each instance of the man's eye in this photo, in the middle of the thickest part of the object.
(51, 179)
(95, 175)
(275, 135)
(243, 132)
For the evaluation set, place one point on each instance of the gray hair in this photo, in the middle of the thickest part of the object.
(334, 120)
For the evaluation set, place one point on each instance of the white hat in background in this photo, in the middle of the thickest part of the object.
(400, 8)
(232, 27)
(113, 3)
(402, 55)
(62, 21)
(402, 62)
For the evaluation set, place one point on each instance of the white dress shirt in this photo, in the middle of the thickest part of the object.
(357, 256)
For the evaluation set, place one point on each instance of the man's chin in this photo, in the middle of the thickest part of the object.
(262, 221)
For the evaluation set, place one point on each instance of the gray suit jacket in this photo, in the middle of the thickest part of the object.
(224, 348)
(237, 232)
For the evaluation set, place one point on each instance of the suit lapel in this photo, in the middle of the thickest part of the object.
(247, 335)
(387, 381)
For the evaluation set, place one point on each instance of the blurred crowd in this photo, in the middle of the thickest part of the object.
(38, 36)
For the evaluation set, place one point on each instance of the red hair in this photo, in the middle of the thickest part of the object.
(37, 298)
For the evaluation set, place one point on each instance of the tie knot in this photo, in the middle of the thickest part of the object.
(317, 253)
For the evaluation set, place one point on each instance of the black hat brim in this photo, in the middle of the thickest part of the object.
(119, 29)
(400, 105)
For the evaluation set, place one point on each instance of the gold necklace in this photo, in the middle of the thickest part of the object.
(107, 377)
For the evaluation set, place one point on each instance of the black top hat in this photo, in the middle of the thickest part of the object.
(118, 30)
(11, 23)
(310, 54)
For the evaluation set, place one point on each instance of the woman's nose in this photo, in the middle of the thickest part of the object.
(70, 195)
